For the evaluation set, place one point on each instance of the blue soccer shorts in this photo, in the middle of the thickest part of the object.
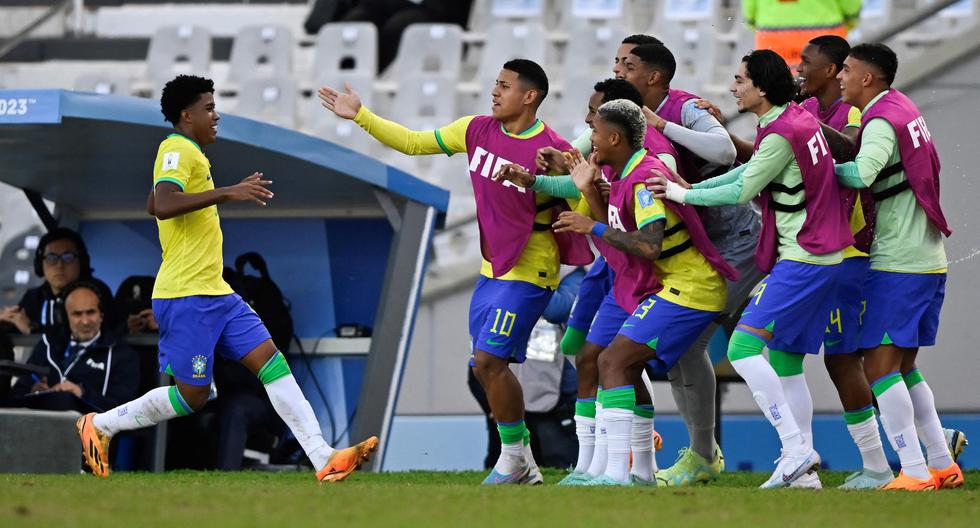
(903, 309)
(844, 328)
(502, 315)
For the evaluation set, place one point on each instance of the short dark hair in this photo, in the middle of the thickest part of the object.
(612, 89)
(880, 56)
(770, 74)
(657, 56)
(63, 233)
(640, 39)
(833, 47)
(181, 92)
(530, 73)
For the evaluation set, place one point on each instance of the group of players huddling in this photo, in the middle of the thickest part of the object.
(846, 254)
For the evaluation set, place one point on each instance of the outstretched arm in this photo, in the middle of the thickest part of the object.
(645, 242)
(170, 200)
(449, 139)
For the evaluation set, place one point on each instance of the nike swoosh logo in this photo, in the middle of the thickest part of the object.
(628, 326)
(493, 343)
(832, 343)
(745, 313)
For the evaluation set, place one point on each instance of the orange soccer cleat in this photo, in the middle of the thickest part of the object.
(907, 483)
(345, 461)
(949, 478)
(658, 441)
(95, 445)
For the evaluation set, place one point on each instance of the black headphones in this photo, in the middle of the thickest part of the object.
(62, 233)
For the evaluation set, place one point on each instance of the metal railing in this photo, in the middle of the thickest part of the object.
(76, 8)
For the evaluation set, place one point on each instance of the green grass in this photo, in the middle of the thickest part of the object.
(424, 499)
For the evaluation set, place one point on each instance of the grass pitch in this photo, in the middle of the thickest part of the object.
(429, 500)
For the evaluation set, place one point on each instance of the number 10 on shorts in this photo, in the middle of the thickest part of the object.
(503, 322)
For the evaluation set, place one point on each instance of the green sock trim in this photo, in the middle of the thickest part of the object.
(644, 410)
(177, 402)
(572, 341)
(856, 417)
(527, 436)
(885, 340)
(744, 345)
(619, 398)
(585, 408)
(885, 383)
(274, 369)
(913, 377)
(786, 364)
(512, 433)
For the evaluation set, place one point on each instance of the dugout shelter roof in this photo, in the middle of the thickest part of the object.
(93, 154)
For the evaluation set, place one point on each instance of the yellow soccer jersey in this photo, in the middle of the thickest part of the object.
(192, 261)
(688, 279)
(857, 223)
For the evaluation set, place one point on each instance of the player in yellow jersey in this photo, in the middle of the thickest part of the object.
(197, 311)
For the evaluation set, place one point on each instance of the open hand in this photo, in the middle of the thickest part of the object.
(345, 105)
(584, 173)
(515, 174)
(252, 188)
(572, 222)
(662, 188)
(550, 160)
(712, 109)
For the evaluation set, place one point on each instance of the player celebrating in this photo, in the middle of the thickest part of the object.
(664, 273)
(704, 148)
(607, 317)
(197, 311)
(804, 230)
(898, 161)
(521, 254)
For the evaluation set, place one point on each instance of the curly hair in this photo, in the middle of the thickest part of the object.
(627, 116)
(181, 92)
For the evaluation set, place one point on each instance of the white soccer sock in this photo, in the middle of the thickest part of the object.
(601, 453)
(619, 425)
(641, 444)
(288, 401)
(798, 397)
(585, 430)
(149, 409)
(898, 419)
(928, 426)
(511, 458)
(529, 456)
(768, 394)
(868, 441)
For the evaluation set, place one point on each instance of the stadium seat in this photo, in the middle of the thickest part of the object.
(260, 51)
(591, 44)
(424, 97)
(346, 47)
(690, 30)
(430, 49)
(102, 83)
(178, 49)
(506, 41)
(269, 99)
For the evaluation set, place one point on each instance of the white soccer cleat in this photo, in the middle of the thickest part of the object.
(789, 468)
(809, 481)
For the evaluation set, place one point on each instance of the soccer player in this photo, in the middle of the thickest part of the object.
(606, 315)
(897, 160)
(197, 311)
(704, 148)
(666, 273)
(803, 234)
(521, 254)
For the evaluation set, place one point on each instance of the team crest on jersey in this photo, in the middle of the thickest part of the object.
(646, 198)
(198, 365)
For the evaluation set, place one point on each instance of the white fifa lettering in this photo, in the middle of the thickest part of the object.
(614, 220)
(477, 157)
(914, 132)
(817, 146)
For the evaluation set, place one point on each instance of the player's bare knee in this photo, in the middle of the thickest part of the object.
(487, 366)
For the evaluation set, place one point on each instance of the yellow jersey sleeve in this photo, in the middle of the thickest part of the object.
(646, 208)
(175, 163)
(853, 118)
(452, 137)
(449, 139)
